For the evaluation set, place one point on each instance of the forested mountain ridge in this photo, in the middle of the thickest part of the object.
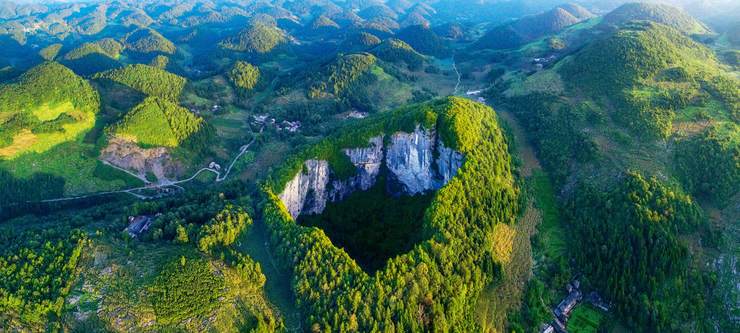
(46, 106)
(529, 28)
(649, 55)
(660, 13)
(369, 166)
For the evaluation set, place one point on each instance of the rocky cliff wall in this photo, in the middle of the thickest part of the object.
(413, 167)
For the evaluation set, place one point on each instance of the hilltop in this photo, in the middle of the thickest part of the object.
(148, 41)
(157, 122)
(90, 58)
(150, 80)
(47, 105)
(659, 13)
(257, 38)
(532, 27)
(640, 58)
(396, 50)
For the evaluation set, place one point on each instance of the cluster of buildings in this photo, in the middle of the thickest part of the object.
(540, 63)
(285, 125)
(564, 309)
(354, 114)
(138, 224)
(476, 93)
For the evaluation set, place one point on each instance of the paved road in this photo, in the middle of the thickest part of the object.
(219, 178)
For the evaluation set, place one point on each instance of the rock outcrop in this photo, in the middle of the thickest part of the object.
(127, 155)
(410, 158)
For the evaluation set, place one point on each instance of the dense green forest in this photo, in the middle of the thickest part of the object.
(147, 79)
(647, 57)
(335, 294)
(158, 122)
(146, 148)
(37, 269)
(709, 162)
(256, 38)
(341, 73)
(244, 75)
(629, 245)
(148, 41)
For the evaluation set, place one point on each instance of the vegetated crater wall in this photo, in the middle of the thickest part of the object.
(416, 162)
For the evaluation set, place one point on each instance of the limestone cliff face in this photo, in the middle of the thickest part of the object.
(306, 192)
(410, 160)
(413, 167)
(368, 162)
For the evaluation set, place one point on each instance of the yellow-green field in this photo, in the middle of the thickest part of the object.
(585, 319)
(48, 112)
(27, 142)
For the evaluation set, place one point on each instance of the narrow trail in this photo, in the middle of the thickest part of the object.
(165, 184)
(459, 76)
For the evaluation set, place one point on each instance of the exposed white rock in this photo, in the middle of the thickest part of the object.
(306, 192)
(448, 162)
(368, 161)
(410, 161)
(409, 158)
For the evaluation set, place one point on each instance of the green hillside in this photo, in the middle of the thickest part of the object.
(146, 40)
(147, 79)
(158, 122)
(244, 75)
(334, 293)
(659, 13)
(341, 73)
(651, 73)
(362, 41)
(46, 106)
(90, 58)
(396, 50)
(529, 28)
(628, 243)
(424, 40)
(256, 38)
(709, 163)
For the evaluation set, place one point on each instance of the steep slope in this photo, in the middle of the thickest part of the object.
(397, 51)
(147, 40)
(157, 122)
(361, 41)
(660, 13)
(257, 38)
(451, 263)
(651, 72)
(46, 106)
(146, 79)
(532, 27)
(90, 58)
(424, 40)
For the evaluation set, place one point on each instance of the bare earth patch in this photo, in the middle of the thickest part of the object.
(21, 141)
(139, 161)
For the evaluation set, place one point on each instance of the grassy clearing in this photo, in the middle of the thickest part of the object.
(713, 109)
(551, 230)
(47, 112)
(541, 82)
(585, 319)
(25, 141)
(512, 246)
(73, 162)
